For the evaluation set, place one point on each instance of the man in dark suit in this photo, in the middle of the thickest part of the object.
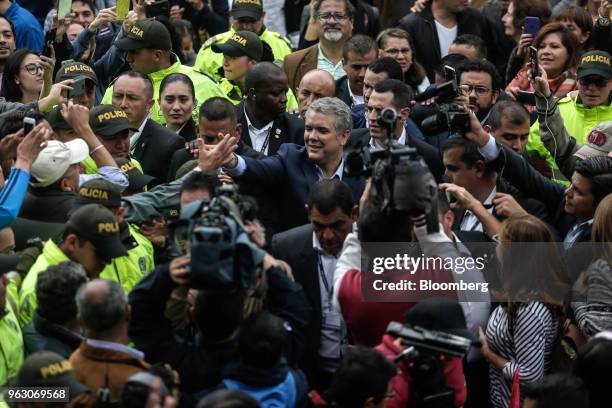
(396, 95)
(466, 168)
(263, 116)
(357, 54)
(294, 169)
(152, 144)
(312, 251)
(572, 209)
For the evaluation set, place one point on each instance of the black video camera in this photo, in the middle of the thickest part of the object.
(449, 116)
(222, 254)
(425, 354)
(401, 180)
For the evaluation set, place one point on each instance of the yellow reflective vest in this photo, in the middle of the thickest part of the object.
(11, 345)
(211, 62)
(204, 84)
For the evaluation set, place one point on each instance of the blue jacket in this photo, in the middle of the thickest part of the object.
(12, 195)
(359, 122)
(278, 386)
(28, 30)
(292, 173)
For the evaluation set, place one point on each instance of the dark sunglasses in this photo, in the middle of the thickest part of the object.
(599, 81)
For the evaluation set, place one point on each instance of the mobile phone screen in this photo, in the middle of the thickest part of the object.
(123, 7)
(63, 8)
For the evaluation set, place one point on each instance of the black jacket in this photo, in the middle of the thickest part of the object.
(199, 363)
(287, 128)
(342, 91)
(294, 246)
(518, 172)
(361, 137)
(189, 131)
(422, 29)
(43, 335)
(154, 150)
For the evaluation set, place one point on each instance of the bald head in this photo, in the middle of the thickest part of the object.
(102, 306)
(261, 74)
(314, 85)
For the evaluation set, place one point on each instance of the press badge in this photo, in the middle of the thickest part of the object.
(331, 321)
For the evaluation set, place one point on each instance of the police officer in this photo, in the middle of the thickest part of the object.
(149, 51)
(129, 269)
(240, 52)
(246, 15)
(111, 126)
(91, 238)
(79, 70)
(11, 341)
(137, 180)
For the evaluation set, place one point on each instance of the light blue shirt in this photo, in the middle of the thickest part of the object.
(325, 64)
(112, 174)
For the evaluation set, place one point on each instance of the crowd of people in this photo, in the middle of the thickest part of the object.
(193, 194)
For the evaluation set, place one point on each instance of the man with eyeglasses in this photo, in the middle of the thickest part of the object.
(246, 15)
(334, 20)
(580, 111)
(480, 84)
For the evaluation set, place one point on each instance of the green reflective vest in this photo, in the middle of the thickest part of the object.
(205, 87)
(578, 121)
(211, 62)
(129, 270)
(233, 92)
(92, 168)
(11, 345)
(51, 255)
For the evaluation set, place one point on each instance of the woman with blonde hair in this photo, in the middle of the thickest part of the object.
(521, 331)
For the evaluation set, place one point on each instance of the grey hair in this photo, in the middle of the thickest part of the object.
(329, 106)
(102, 314)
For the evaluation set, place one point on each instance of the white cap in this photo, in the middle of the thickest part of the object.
(55, 159)
(598, 143)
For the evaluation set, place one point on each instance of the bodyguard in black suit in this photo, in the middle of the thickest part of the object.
(265, 108)
(312, 250)
(154, 149)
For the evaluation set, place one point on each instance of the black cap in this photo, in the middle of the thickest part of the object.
(247, 8)
(241, 43)
(99, 191)
(107, 120)
(136, 178)
(8, 263)
(73, 69)
(47, 369)
(595, 62)
(146, 34)
(96, 223)
(56, 119)
(440, 314)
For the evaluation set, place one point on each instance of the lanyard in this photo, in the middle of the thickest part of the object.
(266, 141)
(329, 289)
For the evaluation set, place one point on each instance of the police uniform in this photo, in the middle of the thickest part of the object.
(130, 269)
(106, 121)
(11, 340)
(94, 223)
(209, 61)
(153, 34)
(244, 43)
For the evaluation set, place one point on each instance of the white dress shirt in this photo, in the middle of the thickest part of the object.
(259, 137)
(136, 135)
(470, 222)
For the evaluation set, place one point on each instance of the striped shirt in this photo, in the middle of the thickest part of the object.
(527, 349)
(593, 303)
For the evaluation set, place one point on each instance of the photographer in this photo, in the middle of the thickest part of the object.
(217, 314)
(438, 314)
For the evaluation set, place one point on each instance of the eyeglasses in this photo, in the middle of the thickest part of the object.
(335, 16)
(33, 69)
(599, 81)
(479, 89)
(396, 51)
